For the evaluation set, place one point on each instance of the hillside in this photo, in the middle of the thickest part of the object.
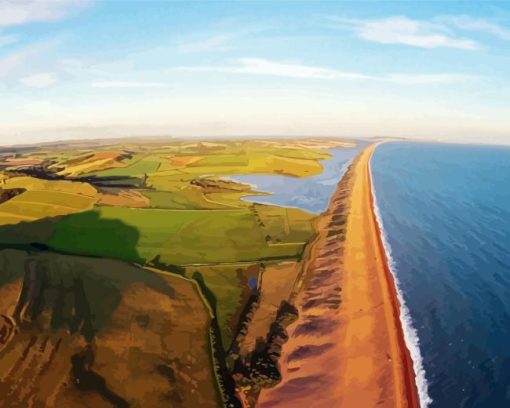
(81, 332)
(134, 274)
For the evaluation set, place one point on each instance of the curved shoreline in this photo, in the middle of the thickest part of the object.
(411, 388)
(348, 347)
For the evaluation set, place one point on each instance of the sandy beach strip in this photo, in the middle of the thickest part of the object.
(347, 348)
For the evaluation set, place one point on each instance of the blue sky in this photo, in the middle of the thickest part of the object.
(78, 68)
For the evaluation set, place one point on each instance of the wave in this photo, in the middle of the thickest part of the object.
(410, 334)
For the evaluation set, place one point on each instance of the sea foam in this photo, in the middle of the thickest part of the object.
(410, 334)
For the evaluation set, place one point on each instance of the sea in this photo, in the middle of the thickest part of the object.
(444, 211)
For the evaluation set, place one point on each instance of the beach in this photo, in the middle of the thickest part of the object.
(446, 218)
(347, 348)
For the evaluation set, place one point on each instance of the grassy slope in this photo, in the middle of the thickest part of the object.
(177, 236)
(138, 168)
(149, 330)
(165, 174)
(44, 199)
(229, 290)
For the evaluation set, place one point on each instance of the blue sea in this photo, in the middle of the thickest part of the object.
(445, 210)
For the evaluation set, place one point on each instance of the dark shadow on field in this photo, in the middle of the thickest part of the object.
(25, 233)
(75, 292)
(175, 269)
(43, 173)
(113, 181)
(84, 233)
(86, 296)
(79, 293)
(87, 380)
(87, 233)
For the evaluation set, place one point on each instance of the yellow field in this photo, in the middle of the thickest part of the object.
(33, 205)
(89, 167)
(45, 198)
(261, 163)
(32, 183)
(163, 206)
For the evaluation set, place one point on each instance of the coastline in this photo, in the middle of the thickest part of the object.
(411, 389)
(347, 347)
(410, 334)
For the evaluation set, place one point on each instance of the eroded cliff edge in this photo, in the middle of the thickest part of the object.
(347, 347)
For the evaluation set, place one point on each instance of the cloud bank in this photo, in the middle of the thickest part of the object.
(17, 12)
(260, 66)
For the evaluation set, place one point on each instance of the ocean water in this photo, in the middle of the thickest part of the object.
(445, 211)
(311, 193)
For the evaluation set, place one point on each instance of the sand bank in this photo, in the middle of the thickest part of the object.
(347, 348)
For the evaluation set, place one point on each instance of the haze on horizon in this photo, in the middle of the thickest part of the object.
(81, 68)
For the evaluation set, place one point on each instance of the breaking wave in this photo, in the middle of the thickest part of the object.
(410, 334)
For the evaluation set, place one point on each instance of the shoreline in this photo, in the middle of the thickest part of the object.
(410, 334)
(347, 347)
(412, 394)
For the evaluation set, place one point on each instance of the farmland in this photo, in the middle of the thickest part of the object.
(179, 237)
(44, 199)
(165, 203)
(109, 308)
(171, 207)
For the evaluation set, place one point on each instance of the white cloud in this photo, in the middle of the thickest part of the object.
(214, 43)
(476, 24)
(128, 84)
(223, 36)
(259, 66)
(424, 79)
(7, 40)
(79, 68)
(14, 60)
(41, 80)
(16, 12)
(405, 31)
(19, 12)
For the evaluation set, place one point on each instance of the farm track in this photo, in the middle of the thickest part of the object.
(39, 203)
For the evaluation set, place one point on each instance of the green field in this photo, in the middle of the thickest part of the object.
(138, 168)
(176, 237)
(177, 200)
(36, 204)
(228, 291)
(192, 198)
(221, 160)
(194, 221)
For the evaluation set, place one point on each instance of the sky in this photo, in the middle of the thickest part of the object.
(92, 68)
